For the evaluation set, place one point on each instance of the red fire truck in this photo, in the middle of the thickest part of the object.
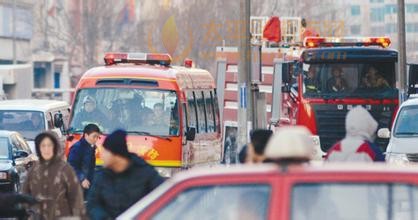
(319, 87)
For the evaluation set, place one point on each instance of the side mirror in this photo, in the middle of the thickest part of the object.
(191, 134)
(20, 154)
(58, 121)
(383, 133)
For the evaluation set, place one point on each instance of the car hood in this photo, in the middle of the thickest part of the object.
(404, 145)
(5, 165)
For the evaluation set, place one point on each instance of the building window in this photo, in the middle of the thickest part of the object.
(57, 79)
(391, 9)
(377, 14)
(411, 8)
(355, 29)
(377, 30)
(390, 28)
(40, 77)
(355, 10)
(411, 28)
(376, 1)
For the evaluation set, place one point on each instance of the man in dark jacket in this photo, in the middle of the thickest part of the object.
(82, 156)
(9, 202)
(125, 179)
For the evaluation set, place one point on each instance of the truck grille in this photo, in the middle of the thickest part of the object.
(412, 158)
(330, 121)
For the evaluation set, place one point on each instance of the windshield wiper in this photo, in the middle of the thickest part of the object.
(148, 134)
(71, 129)
(406, 133)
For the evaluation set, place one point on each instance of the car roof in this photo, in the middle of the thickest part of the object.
(32, 104)
(269, 169)
(273, 169)
(410, 102)
(135, 70)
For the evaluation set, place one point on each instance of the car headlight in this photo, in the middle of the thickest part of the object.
(3, 176)
(397, 159)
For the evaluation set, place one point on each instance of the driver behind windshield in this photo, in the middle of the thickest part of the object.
(373, 79)
(337, 83)
(89, 114)
(311, 81)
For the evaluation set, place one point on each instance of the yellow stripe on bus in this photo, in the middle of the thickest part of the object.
(156, 163)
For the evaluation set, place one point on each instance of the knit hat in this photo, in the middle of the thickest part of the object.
(259, 139)
(116, 143)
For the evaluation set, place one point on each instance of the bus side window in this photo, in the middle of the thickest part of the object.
(185, 119)
(201, 114)
(209, 111)
(192, 110)
(216, 110)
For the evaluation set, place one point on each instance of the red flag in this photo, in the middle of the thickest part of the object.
(272, 30)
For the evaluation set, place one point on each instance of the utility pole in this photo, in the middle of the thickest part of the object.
(244, 86)
(402, 50)
(14, 32)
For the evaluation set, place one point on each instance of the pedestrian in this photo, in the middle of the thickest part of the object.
(358, 143)
(290, 145)
(82, 156)
(254, 151)
(53, 182)
(125, 179)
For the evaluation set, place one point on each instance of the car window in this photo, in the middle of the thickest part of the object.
(354, 201)
(4, 148)
(227, 202)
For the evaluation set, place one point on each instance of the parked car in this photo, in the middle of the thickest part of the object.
(402, 148)
(298, 192)
(15, 159)
(33, 116)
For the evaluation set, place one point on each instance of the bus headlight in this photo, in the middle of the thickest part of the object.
(167, 172)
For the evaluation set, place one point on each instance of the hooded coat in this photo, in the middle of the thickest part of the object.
(56, 186)
(357, 146)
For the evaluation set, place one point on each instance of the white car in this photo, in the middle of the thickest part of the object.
(30, 117)
(403, 144)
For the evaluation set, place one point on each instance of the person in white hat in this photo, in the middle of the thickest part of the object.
(290, 145)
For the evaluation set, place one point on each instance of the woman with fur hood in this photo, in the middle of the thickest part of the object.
(53, 182)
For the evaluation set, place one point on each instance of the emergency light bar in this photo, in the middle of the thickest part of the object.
(311, 42)
(138, 58)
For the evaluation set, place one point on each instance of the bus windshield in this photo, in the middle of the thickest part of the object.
(350, 80)
(138, 111)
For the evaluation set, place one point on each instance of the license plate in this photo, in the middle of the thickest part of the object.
(3, 176)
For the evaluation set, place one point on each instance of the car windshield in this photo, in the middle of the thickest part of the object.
(406, 124)
(349, 80)
(27, 123)
(4, 148)
(139, 111)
